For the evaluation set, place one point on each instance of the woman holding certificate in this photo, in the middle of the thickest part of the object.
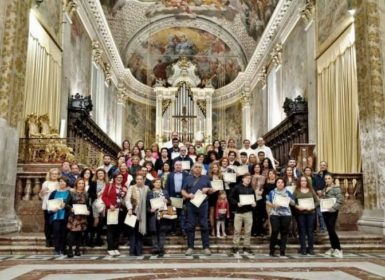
(77, 220)
(113, 197)
(136, 206)
(331, 202)
(156, 201)
(58, 206)
(306, 201)
(279, 200)
(259, 212)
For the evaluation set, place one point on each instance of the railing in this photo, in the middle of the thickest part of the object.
(55, 150)
(28, 202)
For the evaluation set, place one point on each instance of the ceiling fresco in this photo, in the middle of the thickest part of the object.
(149, 56)
(217, 65)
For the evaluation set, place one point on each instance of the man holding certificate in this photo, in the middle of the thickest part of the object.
(306, 201)
(195, 189)
(186, 161)
(242, 196)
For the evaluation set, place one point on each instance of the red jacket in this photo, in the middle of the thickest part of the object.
(109, 195)
(222, 204)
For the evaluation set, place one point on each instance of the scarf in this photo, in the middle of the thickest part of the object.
(141, 212)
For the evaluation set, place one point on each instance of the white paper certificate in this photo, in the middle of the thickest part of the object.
(130, 220)
(327, 203)
(217, 185)
(282, 201)
(80, 209)
(54, 204)
(177, 202)
(290, 189)
(174, 155)
(199, 197)
(157, 203)
(242, 170)
(230, 177)
(307, 203)
(186, 165)
(246, 199)
(112, 217)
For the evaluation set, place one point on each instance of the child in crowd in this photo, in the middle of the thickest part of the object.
(222, 212)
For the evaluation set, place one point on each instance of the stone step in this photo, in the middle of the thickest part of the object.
(345, 237)
(180, 249)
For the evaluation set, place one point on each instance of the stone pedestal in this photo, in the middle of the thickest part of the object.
(372, 221)
(9, 142)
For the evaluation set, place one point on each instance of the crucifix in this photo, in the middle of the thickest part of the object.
(184, 119)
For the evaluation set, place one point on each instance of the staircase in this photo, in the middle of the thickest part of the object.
(352, 242)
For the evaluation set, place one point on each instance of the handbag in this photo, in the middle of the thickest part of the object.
(169, 213)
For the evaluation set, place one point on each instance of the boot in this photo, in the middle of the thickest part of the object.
(77, 252)
(70, 253)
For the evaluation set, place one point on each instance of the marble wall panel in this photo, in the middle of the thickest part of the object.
(330, 14)
(233, 121)
(140, 123)
(294, 61)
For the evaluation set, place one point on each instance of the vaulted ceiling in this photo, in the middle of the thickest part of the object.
(219, 36)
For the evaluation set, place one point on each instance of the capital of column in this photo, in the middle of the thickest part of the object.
(276, 55)
(262, 76)
(107, 72)
(122, 94)
(70, 7)
(97, 53)
(245, 99)
(308, 12)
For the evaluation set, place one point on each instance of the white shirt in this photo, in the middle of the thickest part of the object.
(248, 151)
(168, 144)
(47, 188)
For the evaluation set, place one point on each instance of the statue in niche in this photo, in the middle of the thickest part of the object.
(32, 126)
(45, 129)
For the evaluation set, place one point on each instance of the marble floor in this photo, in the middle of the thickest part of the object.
(217, 266)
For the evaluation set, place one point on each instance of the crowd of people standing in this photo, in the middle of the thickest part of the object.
(169, 190)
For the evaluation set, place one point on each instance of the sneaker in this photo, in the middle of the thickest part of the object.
(117, 253)
(338, 254)
(161, 253)
(189, 252)
(111, 252)
(57, 253)
(329, 252)
(310, 252)
(207, 252)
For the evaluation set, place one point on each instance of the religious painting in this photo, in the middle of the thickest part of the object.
(78, 59)
(330, 14)
(140, 123)
(49, 14)
(233, 129)
(192, 8)
(217, 65)
(256, 15)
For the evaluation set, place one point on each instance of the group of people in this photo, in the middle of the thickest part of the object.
(169, 190)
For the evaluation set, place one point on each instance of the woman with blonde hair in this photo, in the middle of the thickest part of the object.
(50, 184)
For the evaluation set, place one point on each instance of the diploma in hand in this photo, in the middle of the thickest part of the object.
(54, 204)
(217, 185)
(157, 203)
(230, 177)
(199, 197)
(290, 189)
(306, 203)
(177, 202)
(246, 199)
(327, 203)
(242, 170)
(282, 201)
(130, 220)
(80, 209)
(186, 165)
(112, 217)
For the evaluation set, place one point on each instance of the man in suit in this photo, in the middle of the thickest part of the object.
(296, 171)
(173, 186)
(183, 157)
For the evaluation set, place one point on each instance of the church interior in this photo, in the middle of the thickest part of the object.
(80, 77)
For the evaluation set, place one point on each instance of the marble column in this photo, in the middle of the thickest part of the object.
(370, 16)
(14, 43)
(246, 114)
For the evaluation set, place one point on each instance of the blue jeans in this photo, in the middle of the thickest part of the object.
(195, 214)
(321, 220)
(305, 228)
